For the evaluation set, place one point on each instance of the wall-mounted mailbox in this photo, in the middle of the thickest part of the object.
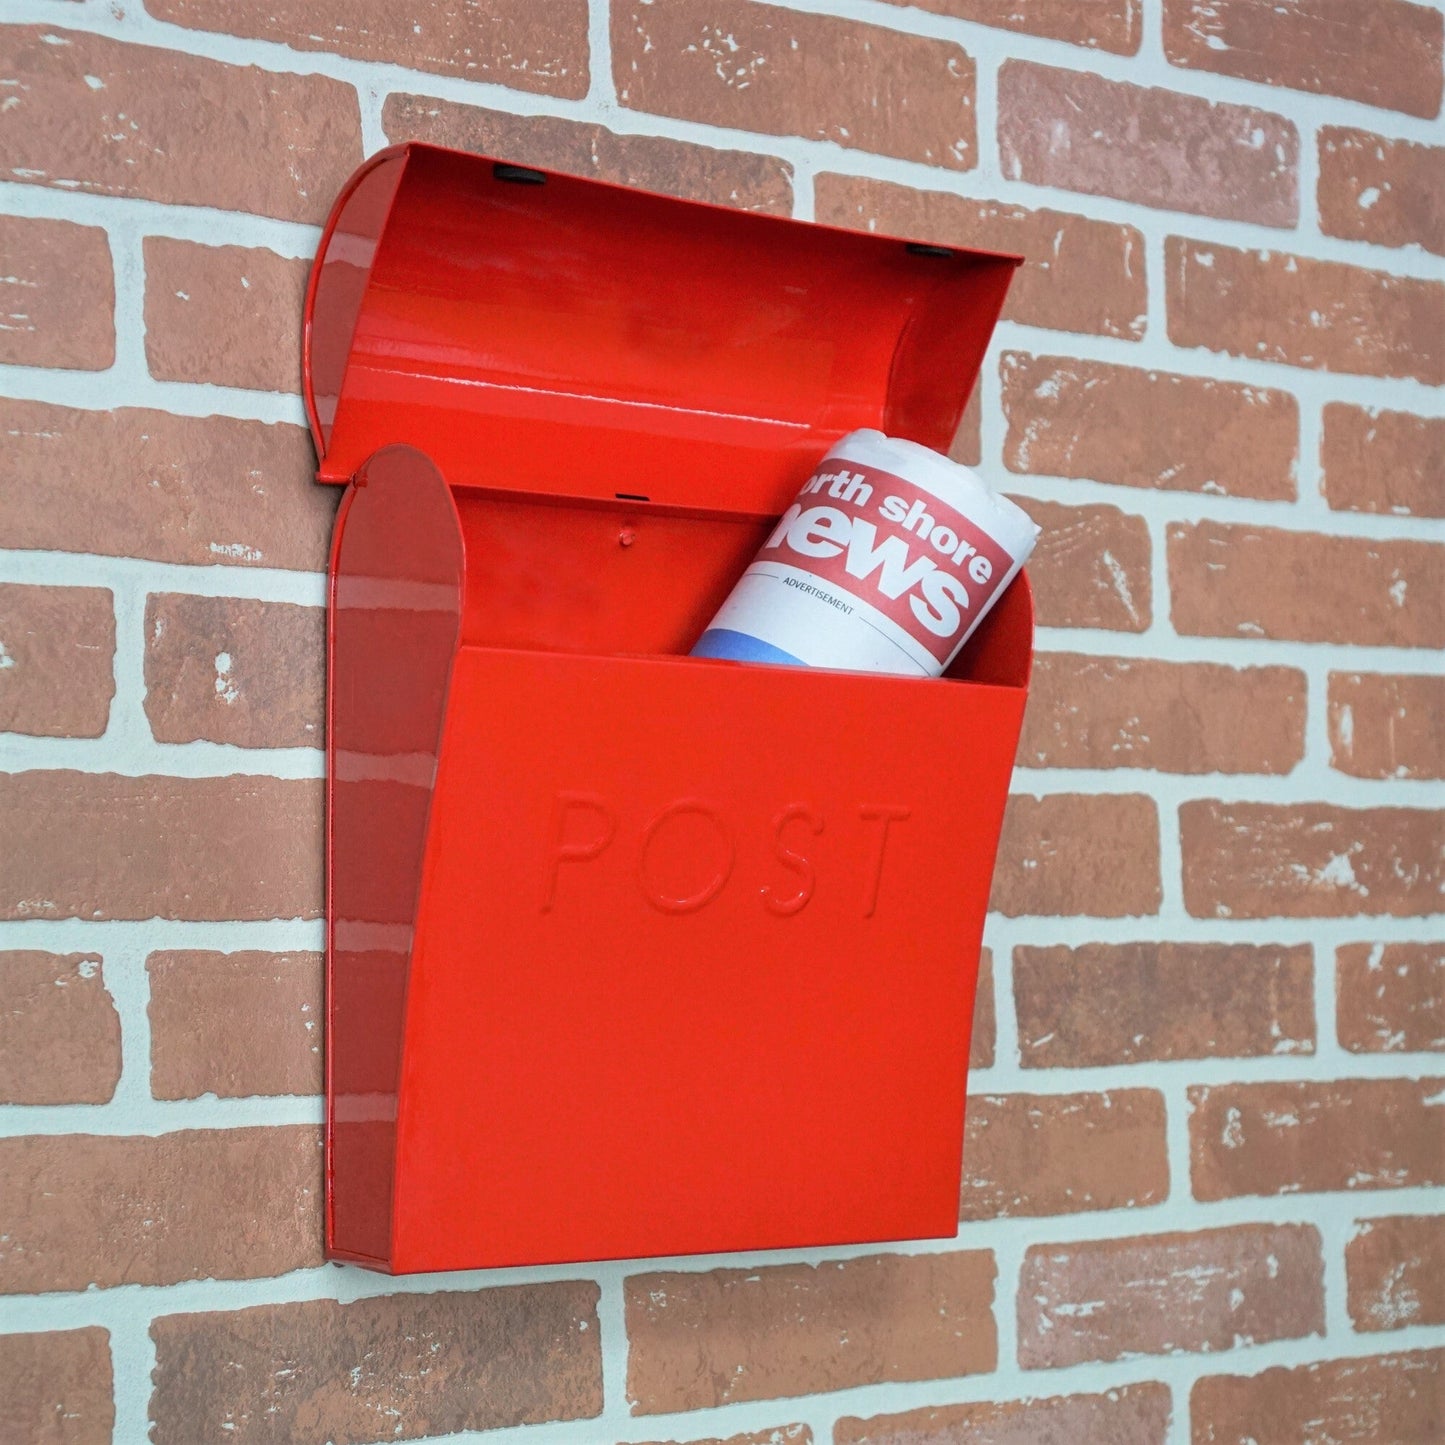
(630, 953)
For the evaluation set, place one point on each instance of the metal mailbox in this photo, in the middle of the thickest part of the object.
(630, 953)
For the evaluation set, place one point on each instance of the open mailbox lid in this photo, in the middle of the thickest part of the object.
(627, 950)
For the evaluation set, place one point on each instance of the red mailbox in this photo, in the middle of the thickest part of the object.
(631, 953)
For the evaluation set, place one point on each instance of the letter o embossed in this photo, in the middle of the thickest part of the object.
(716, 880)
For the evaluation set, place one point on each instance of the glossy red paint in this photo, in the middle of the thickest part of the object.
(630, 953)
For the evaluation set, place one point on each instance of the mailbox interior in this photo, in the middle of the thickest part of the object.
(568, 413)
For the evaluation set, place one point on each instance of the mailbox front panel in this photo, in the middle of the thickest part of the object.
(695, 960)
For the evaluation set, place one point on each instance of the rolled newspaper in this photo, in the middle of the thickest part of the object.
(889, 558)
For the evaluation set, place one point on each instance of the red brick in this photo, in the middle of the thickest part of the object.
(1396, 1272)
(1178, 717)
(1390, 997)
(1129, 1415)
(59, 1031)
(1038, 1154)
(779, 1435)
(55, 1387)
(1090, 567)
(1079, 274)
(233, 670)
(1104, 1004)
(57, 295)
(780, 72)
(1385, 52)
(582, 148)
(1395, 1398)
(1378, 189)
(91, 1210)
(1284, 1138)
(235, 1024)
(224, 314)
(1158, 1294)
(57, 647)
(538, 45)
(99, 845)
(985, 1024)
(696, 1340)
(137, 483)
(394, 1367)
(1101, 25)
(191, 131)
(1081, 132)
(1324, 315)
(1153, 429)
(1383, 461)
(1387, 726)
(1078, 853)
(1229, 581)
(1310, 860)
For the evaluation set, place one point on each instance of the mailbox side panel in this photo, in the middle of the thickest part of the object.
(696, 959)
(396, 598)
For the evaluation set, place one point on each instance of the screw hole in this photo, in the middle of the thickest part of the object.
(518, 175)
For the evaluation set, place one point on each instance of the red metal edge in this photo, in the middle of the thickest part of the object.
(313, 281)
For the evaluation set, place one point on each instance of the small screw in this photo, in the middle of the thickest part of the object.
(626, 537)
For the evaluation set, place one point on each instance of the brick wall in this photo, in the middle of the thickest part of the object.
(1205, 1149)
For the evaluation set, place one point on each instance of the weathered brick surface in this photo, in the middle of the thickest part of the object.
(141, 483)
(779, 1435)
(652, 163)
(1104, 1004)
(1154, 1295)
(98, 845)
(55, 1387)
(1090, 567)
(224, 314)
(57, 294)
(1390, 997)
(1179, 717)
(1377, 189)
(395, 1367)
(1395, 1270)
(89, 113)
(1076, 853)
(1130, 1415)
(59, 1031)
(1344, 1402)
(1154, 429)
(1324, 315)
(1154, 147)
(1037, 1154)
(1104, 25)
(1383, 461)
(57, 649)
(1236, 581)
(1385, 726)
(985, 1023)
(1384, 53)
(235, 1024)
(714, 1337)
(536, 45)
(763, 68)
(1310, 860)
(1078, 274)
(89, 1210)
(233, 670)
(1284, 1138)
